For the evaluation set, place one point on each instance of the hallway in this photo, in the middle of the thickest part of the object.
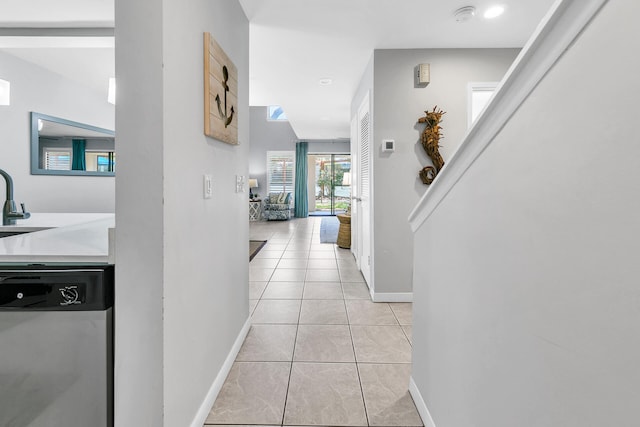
(319, 352)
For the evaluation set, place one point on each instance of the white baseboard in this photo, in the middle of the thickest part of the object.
(392, 297)
(421, 406)
(214, 390)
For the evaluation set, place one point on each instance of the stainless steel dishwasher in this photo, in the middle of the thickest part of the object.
(56, 346)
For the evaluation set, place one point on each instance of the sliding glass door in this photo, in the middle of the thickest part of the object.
(329, 183)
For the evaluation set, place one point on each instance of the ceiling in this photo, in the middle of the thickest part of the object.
(294, 44)
(57, 130)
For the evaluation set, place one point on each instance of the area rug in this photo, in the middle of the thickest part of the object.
(329, 229)
(255, 246)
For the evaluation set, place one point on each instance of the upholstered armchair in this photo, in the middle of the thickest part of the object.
(277, 206)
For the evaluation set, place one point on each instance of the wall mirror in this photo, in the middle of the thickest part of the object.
(64, 147)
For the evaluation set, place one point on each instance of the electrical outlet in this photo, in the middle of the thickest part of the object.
(207, 190)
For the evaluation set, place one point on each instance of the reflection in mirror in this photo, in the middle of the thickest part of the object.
(64, 147)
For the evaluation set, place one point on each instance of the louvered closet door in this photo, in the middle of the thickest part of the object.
(363, 199)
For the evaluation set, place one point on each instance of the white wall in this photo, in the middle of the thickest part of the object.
(206, 241)
(526, 287)
(397, 106)
(36, 89)
(139, 322)
(364, 86)
(267, 136)
(182, 263)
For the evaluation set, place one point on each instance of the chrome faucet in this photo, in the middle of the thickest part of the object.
(9, 212)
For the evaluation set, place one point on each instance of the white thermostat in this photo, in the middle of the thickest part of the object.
(388, 146)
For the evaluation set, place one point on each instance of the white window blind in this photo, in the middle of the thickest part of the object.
(57, 160)
(281, 171)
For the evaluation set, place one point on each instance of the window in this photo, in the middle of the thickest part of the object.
(275, 112)
(95, 161)
(281, 172)
(100, 161)
(57, 160)
(479, 95)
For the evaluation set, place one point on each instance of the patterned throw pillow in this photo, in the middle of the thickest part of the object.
(282, 197)
(273, 198)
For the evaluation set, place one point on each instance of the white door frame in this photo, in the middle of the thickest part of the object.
(363, 199)
(355, 188)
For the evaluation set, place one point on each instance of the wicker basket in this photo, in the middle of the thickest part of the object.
(344, 232)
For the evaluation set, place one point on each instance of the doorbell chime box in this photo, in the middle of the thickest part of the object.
(423, 76)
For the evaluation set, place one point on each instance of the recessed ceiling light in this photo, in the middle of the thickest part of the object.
(494, 12)
(464, 14)
(325, 82)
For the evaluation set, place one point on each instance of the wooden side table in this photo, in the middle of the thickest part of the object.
(255, 210)
(344, 232)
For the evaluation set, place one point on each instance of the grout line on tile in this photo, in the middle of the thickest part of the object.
(364, 402)
(293, 355)
(406, 336)
(355, 356)
(394, 314)
(286, 396)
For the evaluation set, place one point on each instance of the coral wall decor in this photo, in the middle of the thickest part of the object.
(430, 142)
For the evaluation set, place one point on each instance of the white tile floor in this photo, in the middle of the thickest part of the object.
(319, 352)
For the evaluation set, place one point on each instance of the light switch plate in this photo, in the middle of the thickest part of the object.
(207, 189)
(239, 183)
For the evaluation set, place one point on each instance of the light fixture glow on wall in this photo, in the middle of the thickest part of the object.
(5, 92)
(494, 12)
(111, 94)
(253, 183)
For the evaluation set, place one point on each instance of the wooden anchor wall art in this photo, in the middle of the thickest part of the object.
(220, 93)
(430, 142)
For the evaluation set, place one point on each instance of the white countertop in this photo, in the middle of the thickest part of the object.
(44, 221)
(63, 238)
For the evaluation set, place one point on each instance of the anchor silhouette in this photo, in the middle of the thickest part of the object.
(227, 119)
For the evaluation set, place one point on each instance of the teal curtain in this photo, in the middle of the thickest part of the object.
(79, 146)
(301, 198)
